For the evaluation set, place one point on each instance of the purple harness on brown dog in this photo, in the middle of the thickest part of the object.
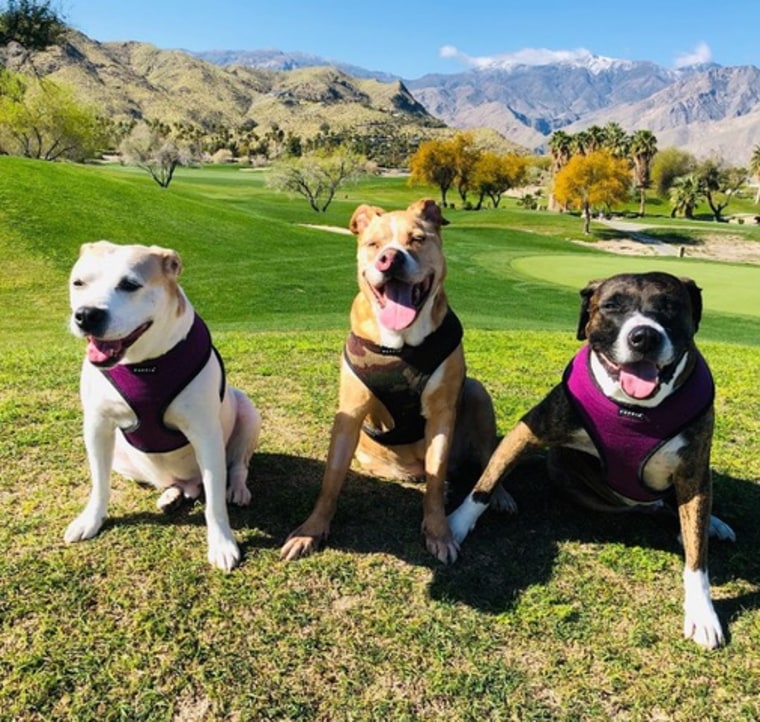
(399, 376)
(626, 436)
(150, 386)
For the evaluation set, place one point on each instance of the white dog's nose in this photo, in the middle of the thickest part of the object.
(90, 319)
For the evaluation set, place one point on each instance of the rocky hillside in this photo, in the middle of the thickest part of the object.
(136, 80)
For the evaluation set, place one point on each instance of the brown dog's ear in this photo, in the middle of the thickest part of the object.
(430, 211)
(586, 295)
(695, 295)
(362, 217)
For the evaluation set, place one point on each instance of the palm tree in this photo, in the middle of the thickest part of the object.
(561, 148)
(685, 194)
(754, 169)
(595, 138)
(643, 149)
(616, 140)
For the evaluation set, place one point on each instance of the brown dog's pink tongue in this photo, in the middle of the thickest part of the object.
(98, 351)
(398, 311)
(639, 380)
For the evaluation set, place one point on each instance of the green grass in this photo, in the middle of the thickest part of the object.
(555, 614)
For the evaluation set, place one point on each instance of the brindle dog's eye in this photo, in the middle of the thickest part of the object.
(128, 285)
(610, 306)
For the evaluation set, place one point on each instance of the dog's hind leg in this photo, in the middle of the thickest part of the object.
(240, 448)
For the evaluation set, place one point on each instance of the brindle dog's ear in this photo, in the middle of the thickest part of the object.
(695, 294)
(430, 211)
(362, 217)
(586, 294)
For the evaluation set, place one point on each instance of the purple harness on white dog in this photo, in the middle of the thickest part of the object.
(150, 386)
(626, 436)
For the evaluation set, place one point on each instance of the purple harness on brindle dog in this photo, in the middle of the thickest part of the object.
(627, 436)
(150, 386)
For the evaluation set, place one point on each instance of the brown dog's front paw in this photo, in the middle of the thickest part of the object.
(445, 549)
(440, 542)
(301, 543)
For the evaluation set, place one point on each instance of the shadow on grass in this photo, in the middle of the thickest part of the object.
(503, 556)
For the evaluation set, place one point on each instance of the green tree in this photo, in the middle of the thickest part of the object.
(41, 119)
(643, 149)
(669, 164)
(592, 181)
(152, 147)
(754, 169)
(33, 25)
(719, 184)
(685, 194)
(434, 163)
(316, 176)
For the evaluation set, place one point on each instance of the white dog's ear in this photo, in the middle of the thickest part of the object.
(171, 263)
(362, 217)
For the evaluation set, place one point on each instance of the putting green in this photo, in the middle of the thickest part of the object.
(726, 288)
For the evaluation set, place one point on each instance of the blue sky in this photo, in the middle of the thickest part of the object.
(410, 38)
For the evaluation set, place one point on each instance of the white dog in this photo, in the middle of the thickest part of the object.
(156, 405)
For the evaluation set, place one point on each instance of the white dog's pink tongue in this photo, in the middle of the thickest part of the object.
(399, 311)
(639, 380)
(98, 351)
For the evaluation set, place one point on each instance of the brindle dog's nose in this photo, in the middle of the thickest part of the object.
(389, 260)
(644, 338)
(90, 318)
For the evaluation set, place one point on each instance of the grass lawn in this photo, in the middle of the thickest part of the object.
(555, 614)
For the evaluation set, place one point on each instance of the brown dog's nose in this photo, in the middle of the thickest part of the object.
(389, 260)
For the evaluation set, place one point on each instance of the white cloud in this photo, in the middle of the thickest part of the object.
(526, 56)
(700, 54)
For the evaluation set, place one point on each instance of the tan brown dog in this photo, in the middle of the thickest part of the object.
(632, 419)
(405, 405)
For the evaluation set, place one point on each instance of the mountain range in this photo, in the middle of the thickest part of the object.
(708, 109)
(705, 109)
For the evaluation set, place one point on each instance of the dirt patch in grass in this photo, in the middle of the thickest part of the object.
(717, 247)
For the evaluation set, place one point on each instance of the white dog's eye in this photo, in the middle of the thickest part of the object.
(77, 283)
(127, 284)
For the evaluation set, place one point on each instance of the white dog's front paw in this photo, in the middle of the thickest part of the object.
(223, 551)
(720, 530)
(239, 494)
(85, 526)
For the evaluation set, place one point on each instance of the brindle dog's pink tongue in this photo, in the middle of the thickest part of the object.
(99, 352)
(399, 311)
(639, 380)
